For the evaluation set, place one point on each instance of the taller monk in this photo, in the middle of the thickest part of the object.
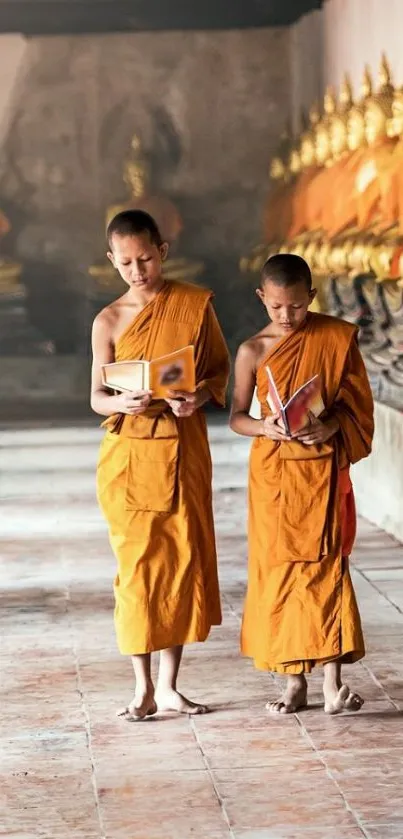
(300, 609)
(154, 469)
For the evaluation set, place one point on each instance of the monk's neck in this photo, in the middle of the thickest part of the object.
(140, 299)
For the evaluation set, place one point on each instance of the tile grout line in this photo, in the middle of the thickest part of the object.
(87, 721)
(379, 591)
(330, 775)
(379, 684)
(211, 776)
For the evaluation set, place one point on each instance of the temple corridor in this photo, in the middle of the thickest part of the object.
(71, 769)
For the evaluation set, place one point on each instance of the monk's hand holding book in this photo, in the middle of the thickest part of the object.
(184, 404)
(318, 431)
(273, 429)
(133, 402)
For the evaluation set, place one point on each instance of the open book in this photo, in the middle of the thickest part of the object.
(175, 371)
(295, 413)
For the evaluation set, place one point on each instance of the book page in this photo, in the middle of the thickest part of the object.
(306, 400)
(175, 371)
(124, 375)
(273, 398)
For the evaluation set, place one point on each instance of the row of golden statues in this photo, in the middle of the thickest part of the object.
(336, 199)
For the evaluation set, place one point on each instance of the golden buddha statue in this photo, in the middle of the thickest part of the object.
(276, 214)
(342, 211)
(378, 110)
(331, 148)
(323, 152)
(136, 176)
(391, 177)
(339, 122)
(309, 168)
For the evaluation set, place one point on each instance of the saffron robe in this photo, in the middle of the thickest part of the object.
(154, 485)
(342, 208)
(300, 607)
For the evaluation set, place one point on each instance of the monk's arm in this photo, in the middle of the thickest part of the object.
(245, 382)
(104, 402)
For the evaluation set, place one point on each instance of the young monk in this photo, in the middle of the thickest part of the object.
(154, 470)
(300, 607)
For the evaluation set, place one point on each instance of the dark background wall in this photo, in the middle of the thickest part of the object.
(208, 107)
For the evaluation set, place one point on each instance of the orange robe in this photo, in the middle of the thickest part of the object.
(300, 607)
(368, 182)
(277, 213)
(391, 189)
(342, 208)
(299, 203)
(154, 486)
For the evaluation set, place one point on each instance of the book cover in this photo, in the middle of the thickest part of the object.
(175, 371)
(295, 413)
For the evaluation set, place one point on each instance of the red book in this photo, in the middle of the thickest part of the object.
(295, 413)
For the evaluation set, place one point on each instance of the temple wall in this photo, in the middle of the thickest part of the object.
(343, 37)
(208, 107)
(378, 481)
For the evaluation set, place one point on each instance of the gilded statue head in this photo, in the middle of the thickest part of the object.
(277, 169)
(307, 144)
(394, 125)
(378, 108)
(355, 120)
(135, 171)
(339, 121)
(322, 134)
(294, 162)
(278, 163)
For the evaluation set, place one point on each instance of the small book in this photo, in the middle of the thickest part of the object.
(295, 413)
(175, 371)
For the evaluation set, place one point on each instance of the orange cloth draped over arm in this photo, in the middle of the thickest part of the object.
(300, 607)
(154, 486)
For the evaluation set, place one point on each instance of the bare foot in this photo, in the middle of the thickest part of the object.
(143, 705)
(342, 699)
(172, 700)
(293, 698)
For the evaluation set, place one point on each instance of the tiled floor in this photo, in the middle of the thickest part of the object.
(71, 770)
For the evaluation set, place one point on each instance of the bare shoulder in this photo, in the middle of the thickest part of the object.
(256, 346)
(106, 319)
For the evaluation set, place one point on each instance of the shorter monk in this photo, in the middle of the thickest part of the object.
(300, 608)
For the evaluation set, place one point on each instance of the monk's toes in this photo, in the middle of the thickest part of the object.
(197, 709)
(337, 704)
(133, 714)
(354, 702)
(278, 707)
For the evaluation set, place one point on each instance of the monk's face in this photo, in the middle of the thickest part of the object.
(287, 307)
(138, 260)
